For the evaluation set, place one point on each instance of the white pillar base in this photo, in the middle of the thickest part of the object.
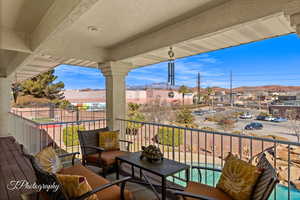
(5, 101)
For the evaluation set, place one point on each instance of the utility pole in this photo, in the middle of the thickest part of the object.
(198, 88)
(231, 93)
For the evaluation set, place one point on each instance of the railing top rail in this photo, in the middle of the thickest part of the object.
(56, 109)
(216, 133)
(23, 118)
(72, 122)
(56, 123)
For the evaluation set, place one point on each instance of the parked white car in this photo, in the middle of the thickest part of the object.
(270, 119)
(246, 116)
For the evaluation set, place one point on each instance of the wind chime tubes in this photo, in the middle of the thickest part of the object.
(171, 67)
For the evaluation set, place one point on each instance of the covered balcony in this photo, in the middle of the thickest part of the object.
(117, 37)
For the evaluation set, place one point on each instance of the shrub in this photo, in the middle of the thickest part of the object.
(275, 137)
(70, 135)
(236, 114)
(185, 116)
(166, 135)
(207, 128)
(264, 114)
(29, 100)
(193, 125)
(43, 120)
(64, 104)
(226, 123)
(237, 132)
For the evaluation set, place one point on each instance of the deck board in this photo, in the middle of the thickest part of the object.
(13, 167)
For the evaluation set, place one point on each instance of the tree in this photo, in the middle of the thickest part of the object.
(185, 117)
(43, 86)
(183, 90)
(294, 123)
(159, 111)
(134, 114)
(210, 93)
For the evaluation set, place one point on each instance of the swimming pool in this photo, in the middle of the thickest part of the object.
(211, 178)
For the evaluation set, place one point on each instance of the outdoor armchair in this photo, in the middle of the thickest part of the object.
(104, 189)
(263, 189)
(94, 155)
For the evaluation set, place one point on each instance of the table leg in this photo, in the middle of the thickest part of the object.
(163, 189)
(187, 173)
(132, 171)
(117, 170)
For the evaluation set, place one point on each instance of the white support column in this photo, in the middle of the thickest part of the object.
(5, 101)
(115, 74)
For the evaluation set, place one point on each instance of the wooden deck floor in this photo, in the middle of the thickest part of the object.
(13, 167)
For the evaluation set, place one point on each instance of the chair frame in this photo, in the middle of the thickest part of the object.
(49, 178)
(262, 158)
(89, 149)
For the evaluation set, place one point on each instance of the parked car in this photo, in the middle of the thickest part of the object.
(260, 117)
(280, 119)
(211, 111)
(200, 112)
(254, 126)
(269, 119)
(246, 116)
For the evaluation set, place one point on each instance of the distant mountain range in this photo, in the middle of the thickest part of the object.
(272, 88)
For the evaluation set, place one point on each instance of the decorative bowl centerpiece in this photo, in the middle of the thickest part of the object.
(152, 153)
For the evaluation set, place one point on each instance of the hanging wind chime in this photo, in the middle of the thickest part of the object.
(171, 68)
(171, 71)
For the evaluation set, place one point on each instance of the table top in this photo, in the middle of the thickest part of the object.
(165, 168)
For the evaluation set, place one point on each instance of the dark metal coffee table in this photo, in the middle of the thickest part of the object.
(162, 169)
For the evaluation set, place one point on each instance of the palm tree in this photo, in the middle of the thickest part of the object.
(210, 92)
(183, 90)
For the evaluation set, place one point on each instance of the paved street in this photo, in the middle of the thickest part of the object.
(283, 129)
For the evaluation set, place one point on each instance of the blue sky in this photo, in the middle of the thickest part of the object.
(273, 61)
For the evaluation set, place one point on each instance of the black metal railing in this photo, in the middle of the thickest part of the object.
(34, 135)
(42, 115)
(208, 148)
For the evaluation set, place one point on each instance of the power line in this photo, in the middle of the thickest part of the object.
(198, 85)
(231, 97)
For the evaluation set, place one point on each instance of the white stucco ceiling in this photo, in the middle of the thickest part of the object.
(37, 35)
(23, 15)
(120, 21)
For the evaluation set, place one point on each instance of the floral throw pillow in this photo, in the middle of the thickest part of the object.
(48, 160)
(75, 186)
(238, 178)
(109, 140)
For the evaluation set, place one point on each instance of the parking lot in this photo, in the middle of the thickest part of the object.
(282, 129)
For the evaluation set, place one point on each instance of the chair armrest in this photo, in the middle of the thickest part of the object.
(73, 154)
(129, 142)
(207, 168)
(102, 187)
(190, 195)
(100, 149)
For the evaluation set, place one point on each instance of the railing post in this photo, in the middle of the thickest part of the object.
(77, 115)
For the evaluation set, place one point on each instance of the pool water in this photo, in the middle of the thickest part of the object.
(211, 178)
